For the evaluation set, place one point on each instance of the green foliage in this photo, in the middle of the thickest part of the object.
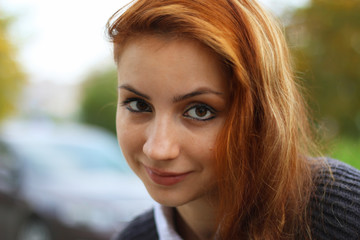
(11, 76)
(99, 96)
(347, 150)
(325, 39)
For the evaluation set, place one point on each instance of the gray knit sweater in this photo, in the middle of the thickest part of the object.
(335, 208)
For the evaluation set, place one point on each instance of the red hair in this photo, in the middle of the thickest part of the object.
(264, 177)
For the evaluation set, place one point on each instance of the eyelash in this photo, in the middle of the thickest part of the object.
(128, 101)
(209, 110)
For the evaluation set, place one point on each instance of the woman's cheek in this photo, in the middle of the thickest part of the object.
(123, 132)
(130, 136)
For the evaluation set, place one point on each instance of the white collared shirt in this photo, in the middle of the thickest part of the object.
(164, 220)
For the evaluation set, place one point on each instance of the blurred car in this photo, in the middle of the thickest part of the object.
(64, 181)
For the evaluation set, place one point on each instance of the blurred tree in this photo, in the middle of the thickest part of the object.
(11, 75)
(99, 94)
(325, 40)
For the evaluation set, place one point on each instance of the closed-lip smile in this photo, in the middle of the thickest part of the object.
(165, 178)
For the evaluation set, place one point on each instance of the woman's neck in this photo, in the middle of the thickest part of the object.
(196, 220)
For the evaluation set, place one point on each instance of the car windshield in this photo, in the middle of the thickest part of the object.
(65, 160)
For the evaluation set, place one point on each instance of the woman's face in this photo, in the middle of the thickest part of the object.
(172, 104)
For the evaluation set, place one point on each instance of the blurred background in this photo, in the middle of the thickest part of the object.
(58, 82)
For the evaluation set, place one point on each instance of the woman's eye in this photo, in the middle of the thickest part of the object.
(137, 105)
(200, 112)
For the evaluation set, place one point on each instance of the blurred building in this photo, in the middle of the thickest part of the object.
(50, 99)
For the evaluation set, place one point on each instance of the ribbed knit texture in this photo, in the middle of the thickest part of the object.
(334, 208)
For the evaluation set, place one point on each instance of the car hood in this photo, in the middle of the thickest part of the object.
(113, 194)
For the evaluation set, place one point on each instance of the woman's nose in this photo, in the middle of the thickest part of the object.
(162, 140)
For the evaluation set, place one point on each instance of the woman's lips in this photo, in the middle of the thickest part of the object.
(165, 178)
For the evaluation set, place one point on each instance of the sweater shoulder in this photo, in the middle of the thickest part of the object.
(335, 205)
(142, 227)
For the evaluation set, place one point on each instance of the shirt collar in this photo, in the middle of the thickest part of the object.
(164, 220)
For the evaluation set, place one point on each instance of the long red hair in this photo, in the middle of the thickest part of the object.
(264, 177)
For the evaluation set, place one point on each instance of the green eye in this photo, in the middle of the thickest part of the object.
(200, 112)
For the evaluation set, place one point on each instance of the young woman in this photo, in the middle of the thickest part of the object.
(211, 120)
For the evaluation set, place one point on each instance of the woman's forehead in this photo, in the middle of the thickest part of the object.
(184, 60)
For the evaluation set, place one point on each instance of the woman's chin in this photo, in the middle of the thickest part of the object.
(169, 200)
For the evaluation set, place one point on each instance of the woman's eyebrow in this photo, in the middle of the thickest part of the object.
(195, 93)
(176, 98)
(131, 89)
